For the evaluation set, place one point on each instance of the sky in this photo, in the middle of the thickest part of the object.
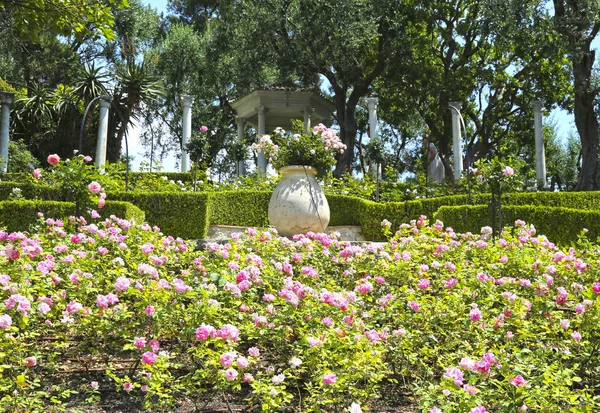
(564, 121)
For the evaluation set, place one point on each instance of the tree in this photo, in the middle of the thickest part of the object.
(578, 22)
(494, 57)
(80, 18)
(349, 42)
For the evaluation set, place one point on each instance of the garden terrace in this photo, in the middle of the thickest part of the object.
(189, 214)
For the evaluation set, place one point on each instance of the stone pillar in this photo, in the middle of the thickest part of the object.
(307, 114)
(187, 102)
(457, 139)
(372, 106)
(240, 133)
(6, 100)
(262, 160)
(102, 133)
(540, 156)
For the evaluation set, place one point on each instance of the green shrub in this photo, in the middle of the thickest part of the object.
(344, 210)
(240, 208)
(29, 190)
(21, 215)
(180, 214)
(560, 225)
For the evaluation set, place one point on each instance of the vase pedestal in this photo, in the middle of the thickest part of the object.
(298, 204)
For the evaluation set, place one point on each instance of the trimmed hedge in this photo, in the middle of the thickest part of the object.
(240, 208)
(560, 225)
(188, 214)
(21, 215)
(180, 214)
(29, 191)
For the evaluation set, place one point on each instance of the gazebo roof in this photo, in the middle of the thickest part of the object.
(282, 105)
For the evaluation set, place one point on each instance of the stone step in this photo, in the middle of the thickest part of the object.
(222, 232)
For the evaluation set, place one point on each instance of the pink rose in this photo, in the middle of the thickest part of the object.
(37, 174)
(231, 374)
(94, 187)
(508, 171)
(518, 381)
(139, 342)
(329, 378)
(53, 159)
(203, 128)
(423, 284)
(149, 358)
(227, 359)
(30, 361)
(87, 159)
(150, 310)
(127, 386)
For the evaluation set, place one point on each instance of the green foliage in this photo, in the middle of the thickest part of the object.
(225, 208)
(184, 215)
(562, 226)
(76, 179)
(19, 157)
(6, 87)
(22, 215)
(73, 17)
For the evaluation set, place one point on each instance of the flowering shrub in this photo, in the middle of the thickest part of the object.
(77, 179)
(311, 323)
(317, 148)
(496, 177)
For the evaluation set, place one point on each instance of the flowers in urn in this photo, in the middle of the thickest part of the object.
(317, 148)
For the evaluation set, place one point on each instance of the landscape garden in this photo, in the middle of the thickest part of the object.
(473, 289)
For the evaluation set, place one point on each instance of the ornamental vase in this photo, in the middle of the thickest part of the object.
(298, 204)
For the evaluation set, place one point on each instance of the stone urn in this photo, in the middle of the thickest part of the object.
(298, 204)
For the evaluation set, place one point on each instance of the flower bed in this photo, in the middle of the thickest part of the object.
(309, 324)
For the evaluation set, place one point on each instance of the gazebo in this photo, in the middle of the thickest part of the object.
(270, 107)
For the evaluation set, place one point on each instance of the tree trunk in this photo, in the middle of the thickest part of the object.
(586, 122)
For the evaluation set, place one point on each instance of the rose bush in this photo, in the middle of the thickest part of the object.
(312, 323)
(317, 148)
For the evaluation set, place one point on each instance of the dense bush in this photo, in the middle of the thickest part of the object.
(240, 208)
(307, 324)
(562, 225)
(185, 214)
(21, 215)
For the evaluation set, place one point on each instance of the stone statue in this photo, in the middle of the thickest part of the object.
(435, 166)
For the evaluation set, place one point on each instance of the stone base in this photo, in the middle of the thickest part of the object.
(222, 232)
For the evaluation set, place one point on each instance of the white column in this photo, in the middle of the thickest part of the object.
(457, 143)
(6, 100)
(240, 133)
(187, 102)
(540, 156)
(262, 160)
(307, 113)
(372, 106)
(102, 133)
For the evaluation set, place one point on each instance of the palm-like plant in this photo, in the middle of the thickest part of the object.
(136, 85)
(90, 82)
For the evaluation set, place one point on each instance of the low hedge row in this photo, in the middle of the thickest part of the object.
(179, 214)
(240, 208)
(21, 215)
(560, 225)
(29, 190)
(188, 215)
